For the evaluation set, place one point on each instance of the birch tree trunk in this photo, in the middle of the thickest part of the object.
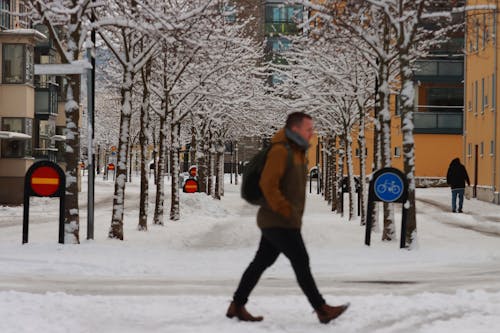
(160, 170)
(350, 174)
(175, 196)
(362, 166)
(116, 229)
(71, 156)
(340, 176)
(143, 142)
(333, 174)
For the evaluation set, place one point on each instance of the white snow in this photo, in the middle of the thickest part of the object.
(180, 277)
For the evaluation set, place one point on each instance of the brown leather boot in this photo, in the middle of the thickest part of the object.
(327, 313)
(241, 313)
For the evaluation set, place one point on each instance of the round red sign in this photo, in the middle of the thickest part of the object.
(191, 186)
(45, 181)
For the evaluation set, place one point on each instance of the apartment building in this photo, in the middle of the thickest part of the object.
(481, 91)
(31, 108)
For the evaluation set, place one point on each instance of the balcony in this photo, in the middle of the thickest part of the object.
(440, 71)
(46, 100)
(444, 122)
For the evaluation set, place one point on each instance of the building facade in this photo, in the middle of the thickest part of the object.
(31, 106)
(481, 137)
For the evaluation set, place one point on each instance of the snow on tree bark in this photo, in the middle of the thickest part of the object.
(116, 229)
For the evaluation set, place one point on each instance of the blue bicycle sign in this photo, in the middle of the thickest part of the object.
(388, 187)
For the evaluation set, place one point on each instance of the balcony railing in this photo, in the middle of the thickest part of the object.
(438, 122)
(284, 28)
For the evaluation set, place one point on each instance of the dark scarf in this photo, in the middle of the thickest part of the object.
(297, 139)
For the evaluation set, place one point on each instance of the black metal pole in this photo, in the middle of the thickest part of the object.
(91, 116)
(369, 222)
(26, 212)
(404, 223)
(61, 219)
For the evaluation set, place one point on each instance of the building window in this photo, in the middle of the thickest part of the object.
(493, 91)
(444, 99)
(482, 95)
(357, 152)
(469, 150)
(397, 151)
(476, 35)
(481, 149)
(397, 106)
(4, 14)
(17, 147)
(229, 13)
(17, 64)
(475, 96)
(485, 32)
(492, 148)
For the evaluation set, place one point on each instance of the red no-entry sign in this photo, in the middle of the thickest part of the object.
(45, 181)
(191, 186)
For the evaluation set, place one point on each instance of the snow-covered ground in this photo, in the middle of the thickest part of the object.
(180, 277)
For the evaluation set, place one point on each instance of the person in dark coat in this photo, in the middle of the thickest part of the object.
(456, 178)
(280, 220)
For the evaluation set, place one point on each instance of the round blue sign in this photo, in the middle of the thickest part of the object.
(388, 187)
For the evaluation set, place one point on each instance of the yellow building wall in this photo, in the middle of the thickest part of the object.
(481, 121)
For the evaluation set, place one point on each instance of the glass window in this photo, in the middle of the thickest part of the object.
(16, 148)
(482, 95)
(444, 97)
(493, 91)
(397, 151)
(397, 107)
(492, 147)
(13, 63)
(18, 64)
(451, 68)
(427, 68)
(475, 96)
(4, 15)
(229, 13)
(469, 149)
(481, 149)
(279, 44)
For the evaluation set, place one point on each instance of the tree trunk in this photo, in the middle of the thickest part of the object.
(236, 163)
(362, 167)
(407, 98)
(175, 196)
(160, 170)
(143, 142)
(332, 174)
(218, 178)
(350, 175)
(211, 179)
(71, 156)
(116, 229)
(340, 176)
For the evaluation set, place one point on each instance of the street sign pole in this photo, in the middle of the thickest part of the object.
(90, 150)
(387, 185)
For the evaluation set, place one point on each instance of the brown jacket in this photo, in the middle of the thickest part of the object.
(283, 185)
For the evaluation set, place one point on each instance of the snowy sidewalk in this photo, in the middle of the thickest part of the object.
(180, 277)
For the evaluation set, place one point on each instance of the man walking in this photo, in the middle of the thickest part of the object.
(456, 178)
(283, 184)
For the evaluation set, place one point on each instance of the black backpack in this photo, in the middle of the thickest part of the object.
(250, 189)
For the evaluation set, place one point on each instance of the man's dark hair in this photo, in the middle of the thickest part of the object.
(295, 119)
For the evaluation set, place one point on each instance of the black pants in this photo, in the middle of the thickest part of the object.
(273, 242)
